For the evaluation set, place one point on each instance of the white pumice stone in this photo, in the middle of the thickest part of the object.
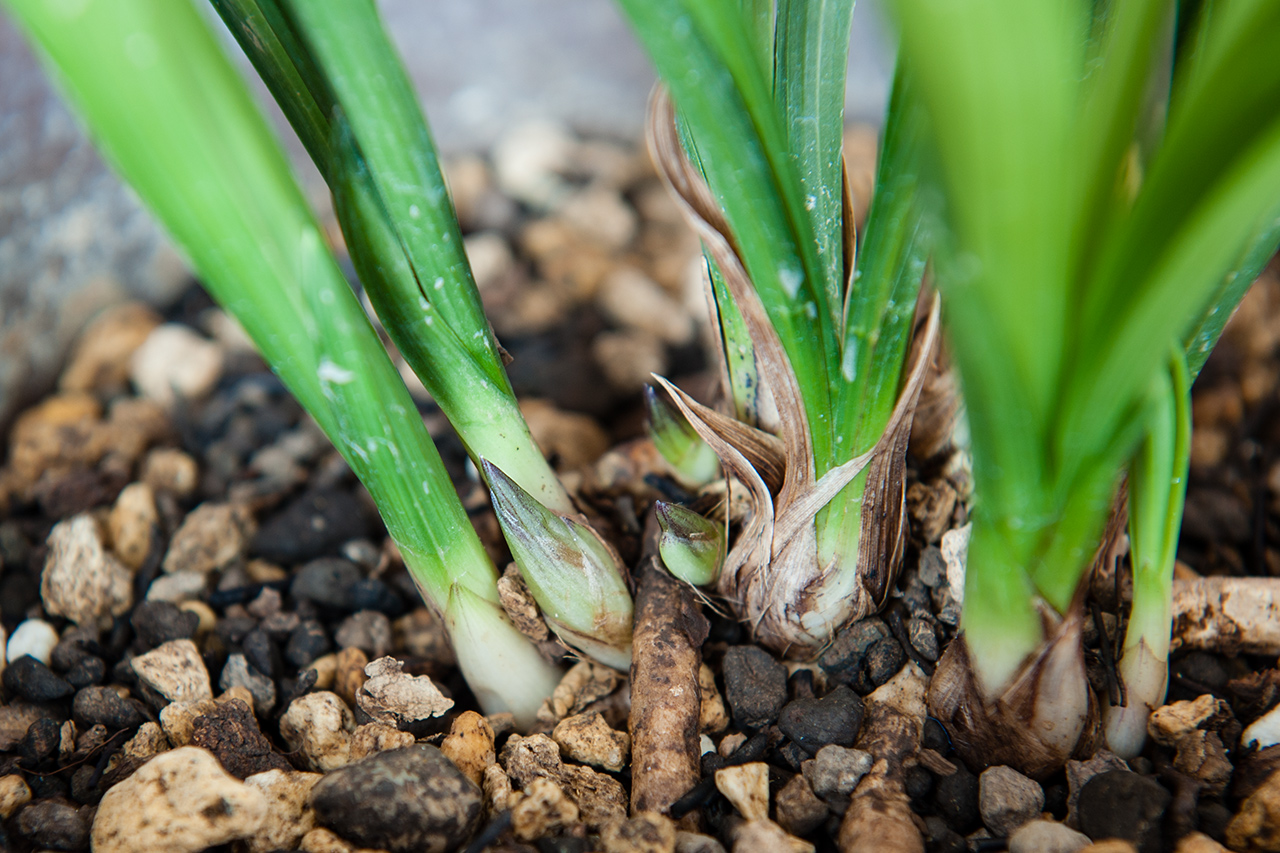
(34, 637)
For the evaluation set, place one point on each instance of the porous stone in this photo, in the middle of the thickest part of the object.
(1168, 724)
(326, 581)
(319, 725)
(179, 587)
(1046, 836)
(321, 840)
(696, 842)
(470, 745)
(1007, 799)
(168, 469)
(764, 834)
(34, 637)
(755, 685)
(174, 670)
(210, 537)
(158, 622)
(404, 800)
(288, 816)
(132, 524)
(647, 832)
(177, 719)
(600, 798)
(1256, 826)
(843, 659)
(348, 676)
(178, 802)
(82, 581)
(174, 363)
(544, 809)
(588, 739)
(231, 733)
(393, 697)
(836, 770)
(713, 718)
(746, 786)
(1080, 772)
(583, 684)
(1198, 842)
(372, 738)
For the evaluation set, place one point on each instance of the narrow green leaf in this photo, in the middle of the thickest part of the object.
(677, 441)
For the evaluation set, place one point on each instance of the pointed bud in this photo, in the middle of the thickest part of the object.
(692, 547)
(690, 456)
(575, 577)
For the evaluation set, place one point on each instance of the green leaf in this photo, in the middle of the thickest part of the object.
(691, 547)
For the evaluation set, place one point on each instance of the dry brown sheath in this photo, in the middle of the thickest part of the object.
(666, 654)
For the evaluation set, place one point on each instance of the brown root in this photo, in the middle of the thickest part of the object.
(665, 698)
(1227, 615)
(1046, 716)
(879, 817)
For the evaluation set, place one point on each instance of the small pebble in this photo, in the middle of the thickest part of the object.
(319, 725)
(34, 681)
(174, 670)
(836, 770)
(239, 673)
(102, 705)
(168, 469)
(179, 587)
(175, 363)
(1046, 836)
(373, 594)
(306, 643)
(814, 723)
(885, 658)
(393, 697)
(646, 832)
(312, 525)
(543, 811)
(372, 738)
(799, 810)
(181, 801)
(210, 537)
(33, 637)
(755, 686)
(1007, 799)
(843, 659)
(14, 794)
(231, 733)
(158, 622)
(404, 801)
(288, 816)
(86, 671)
(368, 630)
(746, 786)
(956, 799)
(54, 825)
(470, 745)
(326, 581)
(1123, 804)
(588, 739)
(82, 581)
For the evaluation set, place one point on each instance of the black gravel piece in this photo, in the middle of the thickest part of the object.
(1055, 800)
(35, 682)
(41, 742)
(1213, 817)
(918, 783)
(158, 622)
(261, 652)
(233, 629)
(310, 526)
(800, 685)
(90, 670)
(402, 800)
(54, 825)
(814, 723)
(307, 642)
(755, 686)
(564, 844)
(1123, 804)
(955, 798)
(103, 705)
(326, 582)
(885, 658)
(935, 737)
(842, 660)
(792, 755)
(47, 786)
(373, 594)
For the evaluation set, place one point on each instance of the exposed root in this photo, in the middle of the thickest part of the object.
(1227, 615)
(880, 819)
(666, 654)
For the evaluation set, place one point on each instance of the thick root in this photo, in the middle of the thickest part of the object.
(1227, 615)
(665, 700)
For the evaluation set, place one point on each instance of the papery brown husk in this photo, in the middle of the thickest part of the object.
(988, 733)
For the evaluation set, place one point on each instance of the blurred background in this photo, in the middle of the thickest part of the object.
(73, 240)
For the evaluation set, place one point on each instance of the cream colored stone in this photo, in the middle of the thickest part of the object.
(1169, 723)
(81, 580)
(544, 809)
(712, 717)
(178, 802)
(176, 671)
(758, 836)
(177, 719)
(324, 841)
(174, 363)
(14, 794)
(319, 725)
(288, 818)
(587, 739)
(211, 536)
(470, 745)
(100, 360)
(747, 787)
(391, 696)
(496, 784)
(372, 738)
(168, 469)
(132, 522)
(647, 832)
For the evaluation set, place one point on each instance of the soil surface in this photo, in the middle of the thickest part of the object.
(211, 643)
